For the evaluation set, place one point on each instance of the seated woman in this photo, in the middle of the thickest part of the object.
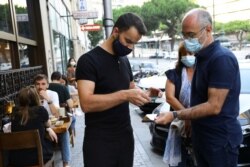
(31, 115)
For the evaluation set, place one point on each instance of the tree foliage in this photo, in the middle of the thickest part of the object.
(239, 28)
(233, 26)
(126, 9)
(167, 13)
(163, 14)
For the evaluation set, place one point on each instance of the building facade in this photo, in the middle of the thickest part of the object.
(36, 36)
(40, 32)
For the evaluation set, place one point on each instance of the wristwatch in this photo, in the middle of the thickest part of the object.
(49, 102)
(175, 114)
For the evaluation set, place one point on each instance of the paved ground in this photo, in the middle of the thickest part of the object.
(144, 155)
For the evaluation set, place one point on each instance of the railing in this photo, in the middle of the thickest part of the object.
(12, 81)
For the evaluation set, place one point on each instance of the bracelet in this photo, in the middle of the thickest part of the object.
(175, 114)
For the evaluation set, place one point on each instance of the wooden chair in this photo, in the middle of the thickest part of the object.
(23, 140)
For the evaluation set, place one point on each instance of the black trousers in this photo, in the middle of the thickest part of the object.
(108, 151)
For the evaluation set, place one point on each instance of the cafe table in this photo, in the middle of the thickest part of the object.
(64, 127)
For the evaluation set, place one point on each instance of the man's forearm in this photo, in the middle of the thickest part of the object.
(54, 110)
(99, 103)
(199, 111)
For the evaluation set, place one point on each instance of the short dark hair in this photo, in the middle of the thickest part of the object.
(127, 20)
(56, 75)
(39, 77)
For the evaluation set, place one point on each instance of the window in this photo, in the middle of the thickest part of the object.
(24, 17)
(5, 17)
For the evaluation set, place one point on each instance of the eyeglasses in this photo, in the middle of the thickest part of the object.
(186, 35)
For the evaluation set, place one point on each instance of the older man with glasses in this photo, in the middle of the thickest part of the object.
(216, 132)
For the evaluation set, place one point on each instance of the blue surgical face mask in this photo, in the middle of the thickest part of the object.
(120, 49)
(188, 61)
(192, 45)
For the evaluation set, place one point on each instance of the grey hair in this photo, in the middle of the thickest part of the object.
(204, 18)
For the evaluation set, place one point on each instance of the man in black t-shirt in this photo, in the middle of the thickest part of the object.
(62, 90)
(105, 88)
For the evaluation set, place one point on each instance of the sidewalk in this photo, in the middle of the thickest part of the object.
(141, 157)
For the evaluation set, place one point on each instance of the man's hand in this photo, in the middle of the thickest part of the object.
(164, 118)
(138, 97)
(43, 94)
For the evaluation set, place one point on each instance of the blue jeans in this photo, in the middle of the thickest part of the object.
(73, 123)
(65, 146)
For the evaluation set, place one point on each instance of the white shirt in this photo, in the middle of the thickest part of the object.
(72, 89)
(54, 98)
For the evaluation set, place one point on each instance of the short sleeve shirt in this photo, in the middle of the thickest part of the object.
(110, 74)
(54, 98)
(61, 90)
(217, 67)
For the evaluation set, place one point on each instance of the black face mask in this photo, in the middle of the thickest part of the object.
(120, 49)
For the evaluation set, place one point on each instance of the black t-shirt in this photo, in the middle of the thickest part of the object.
(38, 116)
(110, 74)
(62, 91)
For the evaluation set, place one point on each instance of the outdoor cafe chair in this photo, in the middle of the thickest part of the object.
(23, 140)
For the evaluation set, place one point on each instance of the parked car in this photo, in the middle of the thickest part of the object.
(160, 132)
(171, 55)
(157, 56)
(247, 56)
(5, 66)
(143, 69)
(224, 41)
(136, 67)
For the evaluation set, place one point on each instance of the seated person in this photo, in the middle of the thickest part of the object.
(51, 103)
(61, 90)
(31, 115)
(74, 96)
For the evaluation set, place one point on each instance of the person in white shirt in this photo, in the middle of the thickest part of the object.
(50, 101)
